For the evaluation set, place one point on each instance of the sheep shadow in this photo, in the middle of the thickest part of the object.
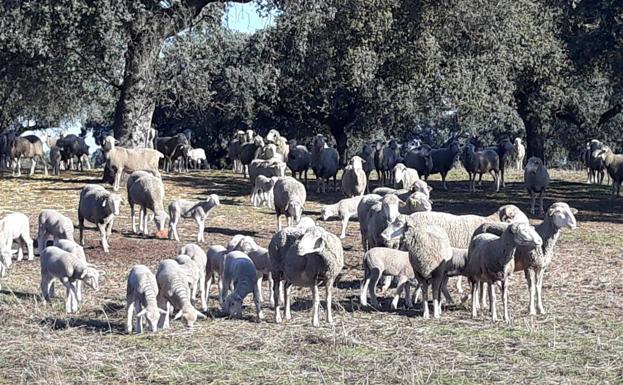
(21, 295)
(90, 325)
(229, 232)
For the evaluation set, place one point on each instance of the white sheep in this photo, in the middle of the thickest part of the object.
(240, 270)
(197, 254)
(52, 223)
(491, 259)
(147, 191)
(379, 261)
(354, 180)
(262, 193)
(174, 293)
(404, 177)
(536, 180)
(192, 271)
(199, 210)
(129, 160)
(16, 227)
(289, 196)
(141, 299)
(198, 158)
(100, 207)
(57, 263)
(260, 258)
(344, 209)
(267, 167)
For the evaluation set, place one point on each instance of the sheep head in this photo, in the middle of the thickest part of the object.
(602, 153)
(324, 213)
(215, 199)
(161, 219)
(247, 245)
(189, 315)
(511, 214)
(562, 215)
(249, 135)
(533, 165)
(108, 143)
(113, 202)
(319, 142)
(356, 162)
(525, 235)
(295, 210)
(390, 204)
(233, 305)
(152, 314)
(395, 229)
(312, 241)
(91, 277)
(418, 201)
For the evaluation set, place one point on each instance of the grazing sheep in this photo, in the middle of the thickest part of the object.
(194, 271)
(289, 198)
(31, 147)
(99, 207)
(262, 194)
(354, 178)
(197, 158)
(141, 299)
(122, 160)
(614, 165)
(443, 160)
(380, 261)
(420, 160)
(480, 162)
(248, 153)
(55, 160)
(147, 191)
(16, 227)
(215, 255)
(72, 247)
(536, 180)
(325, 163)
(344, 209)
(429, 249)
(518, 154)
(239, 269)
(404, 177)
(298, 160)
(491, 260)
(259, 256)
(197, 254)
(174, 293)
(52, 223)
(199, 210)
(305, 257)
(57, 263)
(268, 168)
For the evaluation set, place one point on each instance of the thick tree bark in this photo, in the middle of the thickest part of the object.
(534, 132)
(341, 141)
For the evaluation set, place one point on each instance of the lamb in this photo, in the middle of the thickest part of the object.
(519, 153)
(305, 257)
(194, 272)
(174, 293)
(429, 249)
(325, 163)
(268, 168)
(491, 260)
(614, 165)
(380, 261)
(147, 191)
(141, 299)
(198, 158)
(197, 254)
(289, 198)
(404, 177)
(66, 267)
(260, 258)
(16, 227)
(122, 160)
(215, 255)
(480, 162)
(52, 223)
(420, 159)
(344, 209)
(354, 178)
(239, 269)
(443, 160)
(29, 146)
(100, 207)
(72, 247)
(262, 194)
(536, 180)
(298, 160)
(199, 210)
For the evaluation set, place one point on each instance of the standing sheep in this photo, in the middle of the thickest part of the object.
(215, 255)
(325, 163)
(519, 153)
(344, 209)
(174, 293)
(122, 160)
(289, 198)
(199, 210)
(197, 254)
(404, 177)
(305, 257)
(367, 154)
(52, 223)
(491, 260)
(233, 150)
(443, 160)
(420, 160)
(239, 269)
(536, 180)
(262, 194)
(354, 178)
(298, 160)
(614, 165)
(100, 207)
(380, 261)
(480, 162)
(141, 299)
(31, 147)
(248, 153)
(147, 191)
(16, 227)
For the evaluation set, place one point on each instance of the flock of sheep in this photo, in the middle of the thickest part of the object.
(402, 237)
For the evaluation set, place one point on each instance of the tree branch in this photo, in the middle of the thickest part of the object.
(611, 113)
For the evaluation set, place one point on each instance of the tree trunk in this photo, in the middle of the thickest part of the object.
(534, 133)
(136, 104)
(341, 141)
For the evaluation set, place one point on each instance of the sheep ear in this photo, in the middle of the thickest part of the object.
(574, 210)
(141, 313)
(104, 202)
(178, 315)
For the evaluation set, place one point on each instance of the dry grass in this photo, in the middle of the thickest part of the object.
(580, 341)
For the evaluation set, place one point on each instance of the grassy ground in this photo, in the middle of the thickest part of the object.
(579, 341)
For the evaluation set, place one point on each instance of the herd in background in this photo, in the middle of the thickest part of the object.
(401, 236)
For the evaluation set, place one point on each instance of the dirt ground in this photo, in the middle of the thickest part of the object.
(579, 341)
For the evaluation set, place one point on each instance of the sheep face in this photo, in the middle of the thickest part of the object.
(91, 277)
(602, 153)
(418, 201)
(562, 215)
(152, 315)
(324, 214)
(189, 316)
(311, 242)
(108, 143)
(295, 210)
(511, 214)
(233, 305)
(533, 165)
(390, 204)
(160, 220)
(357, 162)
(525, 235)
(248, 135)
(215, 199)
(113, 202)
(320, 142)
(395, 229)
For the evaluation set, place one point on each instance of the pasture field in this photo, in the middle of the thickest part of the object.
(579, 341)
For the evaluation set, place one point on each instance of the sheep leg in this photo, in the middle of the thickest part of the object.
(78, 285)
(276, 300)
(46, 283)
(533, 198)
(18, 164)
(33, 164)
(459, 284)
(407, 290)
(401, 286)
(257, 298)
(287, 299)
(387, 282)
(204, 295)
(173, 229)
(373, 281)
(492, 303)
(225, 283)
(132, 215)
(344, 225)
(424, 284)
(258, 284)
(117, 180)
(443, 179)
(104, 241)
(482, 293)
(505, 299)
(129, 308)
(444, 291)
(271, 289)
(363, 289)
(329, 289)
(474, 299)
(316, 304)
(278, 223)
(45, 166)
(541, 199)
(81, 228)
(532, 289)
(539, 290)
(437, 283)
